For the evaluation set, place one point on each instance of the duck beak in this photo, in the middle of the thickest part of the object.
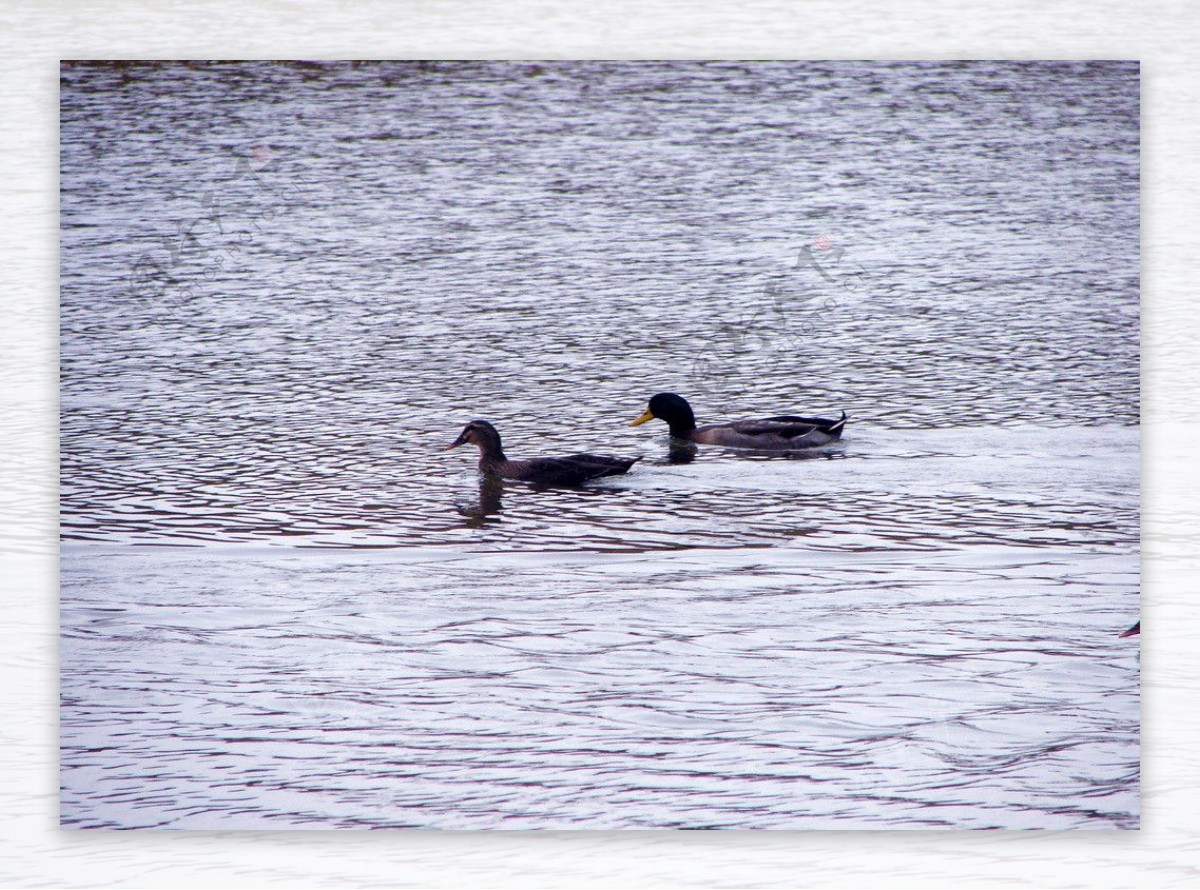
(646, 415)
(461, 440)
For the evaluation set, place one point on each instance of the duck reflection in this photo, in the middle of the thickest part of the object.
(680, 451)
(683, 452)
(816, 454)
(485, 511)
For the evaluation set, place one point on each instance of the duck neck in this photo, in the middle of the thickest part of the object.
(490, 451)
(681, 423)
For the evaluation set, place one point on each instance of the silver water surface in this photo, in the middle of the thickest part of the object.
(286, 287)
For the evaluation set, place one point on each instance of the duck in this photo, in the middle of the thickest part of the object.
(572, 470)
(781, 433)
(1133, 631)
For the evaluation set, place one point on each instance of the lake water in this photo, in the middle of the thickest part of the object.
(285, 288)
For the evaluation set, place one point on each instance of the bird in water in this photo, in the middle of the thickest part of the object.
(574, 469)
(1133, 631)
(780, 433)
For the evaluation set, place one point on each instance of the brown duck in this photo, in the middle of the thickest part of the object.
(574, 469)
(781, 433)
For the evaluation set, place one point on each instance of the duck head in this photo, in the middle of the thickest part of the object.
(671, 408)
(482, 434)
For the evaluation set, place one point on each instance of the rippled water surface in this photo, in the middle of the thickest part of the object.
(285, 288)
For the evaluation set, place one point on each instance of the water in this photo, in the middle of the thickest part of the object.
(285, 288)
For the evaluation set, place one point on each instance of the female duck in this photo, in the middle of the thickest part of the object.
(572, 470)
(782, 433)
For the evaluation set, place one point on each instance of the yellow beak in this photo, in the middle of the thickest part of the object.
(646, 415)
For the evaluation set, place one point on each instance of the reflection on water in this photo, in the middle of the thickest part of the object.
(483, 511)
(286, 287)
(681, 452)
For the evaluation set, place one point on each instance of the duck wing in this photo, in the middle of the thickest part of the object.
(571, 470)
(602, 464)
(823, 424)
(780, 433)
(790, 427)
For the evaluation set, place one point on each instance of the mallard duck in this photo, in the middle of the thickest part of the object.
(574, 469)
(782, 433)
(1133, 631)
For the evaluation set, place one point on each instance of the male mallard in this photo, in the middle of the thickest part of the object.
(572, 470)
(782, 433)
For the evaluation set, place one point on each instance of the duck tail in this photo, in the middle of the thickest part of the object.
(837, 427)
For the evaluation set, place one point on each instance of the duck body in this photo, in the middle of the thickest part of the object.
(783, 432)
(572, 470)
